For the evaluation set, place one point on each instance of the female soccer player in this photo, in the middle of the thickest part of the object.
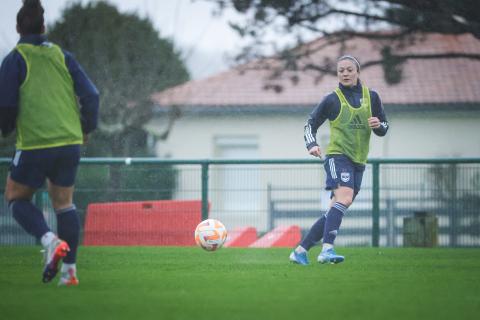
(39, 87)
(353, 111)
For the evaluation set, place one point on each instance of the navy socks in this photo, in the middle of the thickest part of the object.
(315, 234)
(68, 227)
(326, 227)
(332, 224)
(29, 217)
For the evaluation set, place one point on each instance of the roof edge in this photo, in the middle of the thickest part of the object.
(212, 110)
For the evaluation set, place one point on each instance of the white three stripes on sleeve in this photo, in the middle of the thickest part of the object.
(309, 138)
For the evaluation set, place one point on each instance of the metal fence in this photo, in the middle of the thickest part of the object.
(269, 193)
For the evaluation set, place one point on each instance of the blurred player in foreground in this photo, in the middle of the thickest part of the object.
(39, 87)
(353, 111)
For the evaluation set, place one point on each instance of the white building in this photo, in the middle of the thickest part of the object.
(433, 112)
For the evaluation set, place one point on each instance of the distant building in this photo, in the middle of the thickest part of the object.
(433, 112)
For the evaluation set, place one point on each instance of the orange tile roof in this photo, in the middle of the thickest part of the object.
(424, 81)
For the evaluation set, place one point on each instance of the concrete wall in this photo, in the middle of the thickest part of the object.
(431, 135)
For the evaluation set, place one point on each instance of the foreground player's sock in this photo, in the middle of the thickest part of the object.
(315, 233)
(47, 238)
(29, 217)
(68, 227)
(332, 224)
(67, 266)
(68, 275)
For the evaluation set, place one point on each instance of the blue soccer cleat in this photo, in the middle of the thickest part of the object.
(329, 256)
(299, 258)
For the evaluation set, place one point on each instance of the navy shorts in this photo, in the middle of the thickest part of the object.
(58, 164)
(341, 171)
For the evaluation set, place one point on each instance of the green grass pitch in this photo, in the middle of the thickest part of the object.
(188, 283)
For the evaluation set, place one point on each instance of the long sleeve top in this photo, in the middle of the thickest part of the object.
(12, 75)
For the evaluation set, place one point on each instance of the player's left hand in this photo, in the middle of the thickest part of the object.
(373, 122)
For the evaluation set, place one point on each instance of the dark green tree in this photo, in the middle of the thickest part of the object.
(266, 21)
(128, 61)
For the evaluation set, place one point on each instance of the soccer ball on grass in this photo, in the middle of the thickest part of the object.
(210, 234)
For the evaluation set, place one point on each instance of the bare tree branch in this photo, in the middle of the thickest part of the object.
(395, 25)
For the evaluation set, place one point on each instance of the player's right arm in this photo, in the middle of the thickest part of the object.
(87, 94)
(12, 74)
(328, 108)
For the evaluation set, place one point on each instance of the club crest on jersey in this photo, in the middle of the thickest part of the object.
(345, 176)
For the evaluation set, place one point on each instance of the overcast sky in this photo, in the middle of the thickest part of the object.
(204, 40)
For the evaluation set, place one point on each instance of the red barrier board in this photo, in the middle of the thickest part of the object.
(282, 236)
(241, 237)
(166, 223)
